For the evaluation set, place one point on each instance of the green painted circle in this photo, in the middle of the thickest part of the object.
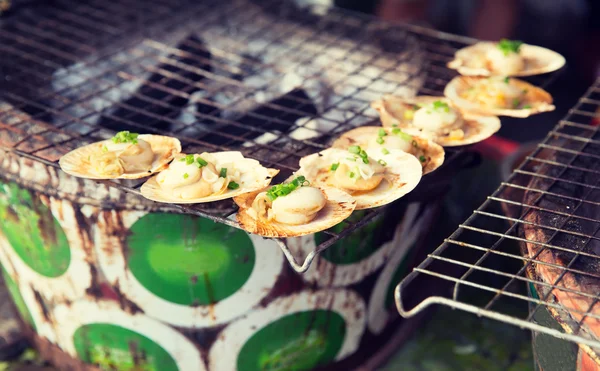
(298, 341)
(355, 247)
(15, 293)
(116, 348)
(33, 232)
(189, 260)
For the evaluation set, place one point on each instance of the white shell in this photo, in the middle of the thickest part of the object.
(538, 60)
(539, 99)
(476, 127)
(361, 136)
(76, 162)
(254, 177)
(403, 173)
(339, 206)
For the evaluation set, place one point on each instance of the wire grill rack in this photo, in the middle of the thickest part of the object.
(550, 207)
(215, 74)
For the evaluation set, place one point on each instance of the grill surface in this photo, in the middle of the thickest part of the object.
(550, 206)
(272, 80)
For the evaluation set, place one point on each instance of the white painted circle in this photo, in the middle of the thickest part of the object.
(268, 264)
(43, 328)
(77, 279)
(71, 318)
(349, 305)
(327, 274)
(410, 229)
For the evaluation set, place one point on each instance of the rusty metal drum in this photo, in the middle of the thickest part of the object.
(104, 278)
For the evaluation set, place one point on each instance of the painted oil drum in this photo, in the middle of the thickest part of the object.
(113, 281)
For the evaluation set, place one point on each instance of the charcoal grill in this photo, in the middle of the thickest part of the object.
(550, 207)
(219, 76)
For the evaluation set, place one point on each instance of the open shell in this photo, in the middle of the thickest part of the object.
(476, 127)
(432, 153)
(339, 206)
(77, 163)
(253, 177)
(403, 173)
(539, 99)
(472, 60)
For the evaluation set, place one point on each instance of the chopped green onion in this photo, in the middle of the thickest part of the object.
(186, 175)
(353, 159)
(527, 106)
(351, 175)
(233, 185)
(506, 80)
(439, 105)
(202, 162)
(189, 159)
(385, 151)
(394, 125)
(380, 140)
(382, 163)
(516, 102)
(361, 152)
(285, 189)
(422, 158)
(396, 131)
(381, 133)
(104, 148)
(223, 172)
(125, 137)
(354, 149)
(403, 135)
(508, 46)
(334, 166)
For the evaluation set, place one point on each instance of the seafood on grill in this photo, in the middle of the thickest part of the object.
(430, 154)
(207, 177)
(435, 118)
(373, 179)
(505, 58)
(124, 156)
(498, 96)
(293, 208)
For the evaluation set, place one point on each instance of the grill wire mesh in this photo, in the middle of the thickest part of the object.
(268, 78)
(550, 207)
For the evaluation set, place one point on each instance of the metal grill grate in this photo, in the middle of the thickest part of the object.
(272, 80)
(550, 207)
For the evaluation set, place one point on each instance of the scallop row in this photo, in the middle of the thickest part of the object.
(366, 167)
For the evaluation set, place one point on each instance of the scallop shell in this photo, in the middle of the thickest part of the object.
(403, 173)
(76, 162)
(539, 99)
(476, 127)
(254, 178)
(433, 152)
(538, 60)
(339, 206)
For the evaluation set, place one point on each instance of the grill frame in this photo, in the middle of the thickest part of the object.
(149, 24)
(572, 137)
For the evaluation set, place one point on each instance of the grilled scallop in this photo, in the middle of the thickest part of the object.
(505, 58)
(382, 140)
(125, 156)
(207, 177)
(295, 208)
(434, 118)
(373, 179)
(498, 96)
